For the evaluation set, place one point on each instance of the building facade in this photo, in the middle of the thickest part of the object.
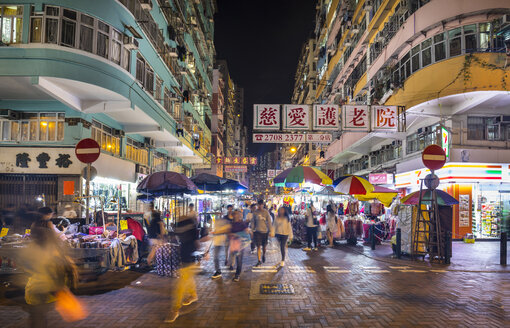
(136, 76)
(445, 62)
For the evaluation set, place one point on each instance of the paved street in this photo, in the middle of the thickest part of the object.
(333, 288)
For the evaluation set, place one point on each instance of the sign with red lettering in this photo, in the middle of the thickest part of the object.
(271, 174)
(356, 117)
(296, 117)
(292, 138)
(384, 118)
(266, 117)
(325, 117)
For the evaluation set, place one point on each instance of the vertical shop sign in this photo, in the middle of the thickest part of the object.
(355, 117)
(445, 141)
(266, 117)
(325, 117)
(296, 117)
(384, 118)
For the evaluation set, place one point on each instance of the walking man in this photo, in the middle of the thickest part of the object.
(221, 228)
(261, 225)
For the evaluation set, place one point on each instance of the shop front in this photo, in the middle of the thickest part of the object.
(483, 191)
(39, 176)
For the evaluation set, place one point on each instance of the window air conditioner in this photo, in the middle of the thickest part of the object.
(355, 28)
(10, 114)
(348, 42)
(368, 5)
(130, 42)
(506, 19)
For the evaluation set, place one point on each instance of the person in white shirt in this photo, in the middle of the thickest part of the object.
(69, 213)
(283, 231)
(331, 224)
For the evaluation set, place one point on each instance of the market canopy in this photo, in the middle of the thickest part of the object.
(166, 183)
(328, 191)
(382, 194)
(211, 182)
(353, 185)
(296, 176)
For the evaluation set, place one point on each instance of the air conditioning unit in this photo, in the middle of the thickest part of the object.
(404, 5)
(368, 5)
(146, 4)
(506, 19)
(348, 42)
(355, 28)
(10, 114)
(380, 37)
(149, 142)
(173, 52)
(118, 133)
(505, 119)
(130, 42)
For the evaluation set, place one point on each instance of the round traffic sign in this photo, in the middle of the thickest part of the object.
(87, 150)
(431, 181)
(433, 157)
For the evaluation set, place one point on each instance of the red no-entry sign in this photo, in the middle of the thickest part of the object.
(433, 157)
(87, 150)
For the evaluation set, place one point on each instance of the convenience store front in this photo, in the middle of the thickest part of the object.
(483, 191)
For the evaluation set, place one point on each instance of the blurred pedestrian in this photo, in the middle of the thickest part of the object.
(331, 224)
(261, 225)
(8, 215)
(311, 228)
(239, 240)
(229, 216)
(185, 292)
(51, 271)
(249, 218)
(221, 228)
(283, 231)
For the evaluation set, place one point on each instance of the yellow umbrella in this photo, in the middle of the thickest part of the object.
(384, 195)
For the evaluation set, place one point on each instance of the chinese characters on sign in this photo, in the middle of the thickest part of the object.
(296, 117)
(384, 118)
(266, 117)
(271, 174)
(237, 160)
(355, 117)
(325, 117)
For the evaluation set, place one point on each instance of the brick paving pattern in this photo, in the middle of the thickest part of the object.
(339, 289)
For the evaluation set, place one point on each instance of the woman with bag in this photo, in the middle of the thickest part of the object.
(311, 228)
(52, 273)
(283, 231)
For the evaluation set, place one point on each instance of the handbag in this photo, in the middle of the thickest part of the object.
(69, 307)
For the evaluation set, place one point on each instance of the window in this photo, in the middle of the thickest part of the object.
(157, 89)
(149, 79)
(126, 58)
(455, 42)
(68, 33)
(439, 47)
(34, 127)
(116, 46)
(483, 128)
(159, 161)
(36, 29)
(11, 23)
(136, 152)
(52, 21)
(426, 53)
(103, 32)
(106, 138)
(87, 33)
(415, 58)
(485, 36)
(167, 103)
(140, 68)
(470, 38)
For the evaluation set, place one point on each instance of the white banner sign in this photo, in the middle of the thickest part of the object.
(39, 160)
(292, 138)
(266, 117)
(325, 117)
(271, 174)
(356, 117)
(296, 117)
(384, 118)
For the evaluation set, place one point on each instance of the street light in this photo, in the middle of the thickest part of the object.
(293, 150)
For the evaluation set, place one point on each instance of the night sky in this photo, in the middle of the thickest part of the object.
(261, 41)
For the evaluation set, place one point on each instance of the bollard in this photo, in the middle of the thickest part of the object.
(503, 248)
(372, 236)
(447, 249)
(398, 246)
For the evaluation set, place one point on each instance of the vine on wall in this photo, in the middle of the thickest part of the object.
(470, 59)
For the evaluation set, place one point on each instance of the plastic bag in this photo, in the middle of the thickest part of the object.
(69, 307)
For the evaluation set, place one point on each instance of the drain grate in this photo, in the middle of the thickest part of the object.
(276, 289)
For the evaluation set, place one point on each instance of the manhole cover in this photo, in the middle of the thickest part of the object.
(276, 289)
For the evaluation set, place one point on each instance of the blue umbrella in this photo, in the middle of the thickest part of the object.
(211, 182)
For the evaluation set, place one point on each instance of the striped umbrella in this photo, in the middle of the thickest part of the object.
(353, 185)
(298, 175)
(443, 198)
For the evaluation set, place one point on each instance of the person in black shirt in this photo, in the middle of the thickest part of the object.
(185, 291)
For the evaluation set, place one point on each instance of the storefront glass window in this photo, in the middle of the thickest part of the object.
(491, 205)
